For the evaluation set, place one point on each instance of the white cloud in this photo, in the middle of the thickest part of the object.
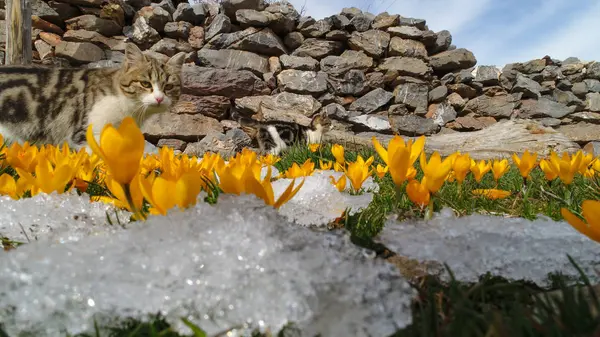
(452, 15)
(578, 37)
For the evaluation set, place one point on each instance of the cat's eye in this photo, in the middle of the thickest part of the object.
(168, 87)
(146, 84)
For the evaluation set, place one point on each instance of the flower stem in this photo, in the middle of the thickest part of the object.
(429, 210)
(138, 214)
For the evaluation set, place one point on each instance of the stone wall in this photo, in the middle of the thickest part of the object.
(373, 74)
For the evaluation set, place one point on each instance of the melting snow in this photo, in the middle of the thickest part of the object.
(318, 202)
(235, 262)
(514, 248)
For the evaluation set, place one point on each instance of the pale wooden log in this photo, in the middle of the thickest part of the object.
(502, 139)
(499, 140)
(18, 32)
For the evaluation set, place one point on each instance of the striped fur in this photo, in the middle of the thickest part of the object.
(56, 105)
(275, 136)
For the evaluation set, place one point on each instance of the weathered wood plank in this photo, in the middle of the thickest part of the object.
(18, 32)
(499, 140)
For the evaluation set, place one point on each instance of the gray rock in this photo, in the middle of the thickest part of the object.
(202, 81)
(214, 106)
(318, 29)
(353, 83)
(527, 86)
(293, 40)
(361, 22)
(350, 59)
(413, 22)
(571, 68)
(552, 73)
(65, 11)
(275, 65)
(270, 79)
(564, 84)
(340, 21)
(282, 24)
(466, 76)
(157, 17)
(398, 109)
(350, 12)
(442, 42)
(571, 60)
(225, 145)
(543, 107)
(220, 24)
(44, 49)
(372, 101)
(441, 113)
(464, 90)
(376, 79)
(175, 144)
(405, 66)
(170, 47)
(592, 101)
(226, 40)
(406, 32)
(44, 11)
(302, 82)
(568, 98)
(438, 94)
(79, 52)
(486, 75)
(230, 7)
(412, 125)
(327, 98)
(373, 42)
(452, 60)
(407, 48)
(305, 21)
(586, 116)
(385, 20)
(233, 59)
(592, 85)
(264, 42)
(319, 49)
(549, 121)
(413, 95)
(141, 33)
(456, 101)
(285, 106)
(593, 71)
(336, 111)
(299, 63)
(285, 17)
(93, 23)
(371, 122)
(580, 89)
(178, 30)
(499, 106)
(337, 35)
(253, 18)
(166, 5)
(530, 67)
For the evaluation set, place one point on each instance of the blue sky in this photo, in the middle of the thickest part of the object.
(496, 31)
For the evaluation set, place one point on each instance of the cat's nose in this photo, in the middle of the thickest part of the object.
(159, 99)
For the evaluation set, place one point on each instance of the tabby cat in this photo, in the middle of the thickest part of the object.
(54, 105)
(275, 136)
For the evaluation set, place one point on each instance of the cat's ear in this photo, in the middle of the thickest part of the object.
(176, 61)
(133, 54)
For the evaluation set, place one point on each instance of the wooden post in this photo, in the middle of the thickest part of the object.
(18, 32)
